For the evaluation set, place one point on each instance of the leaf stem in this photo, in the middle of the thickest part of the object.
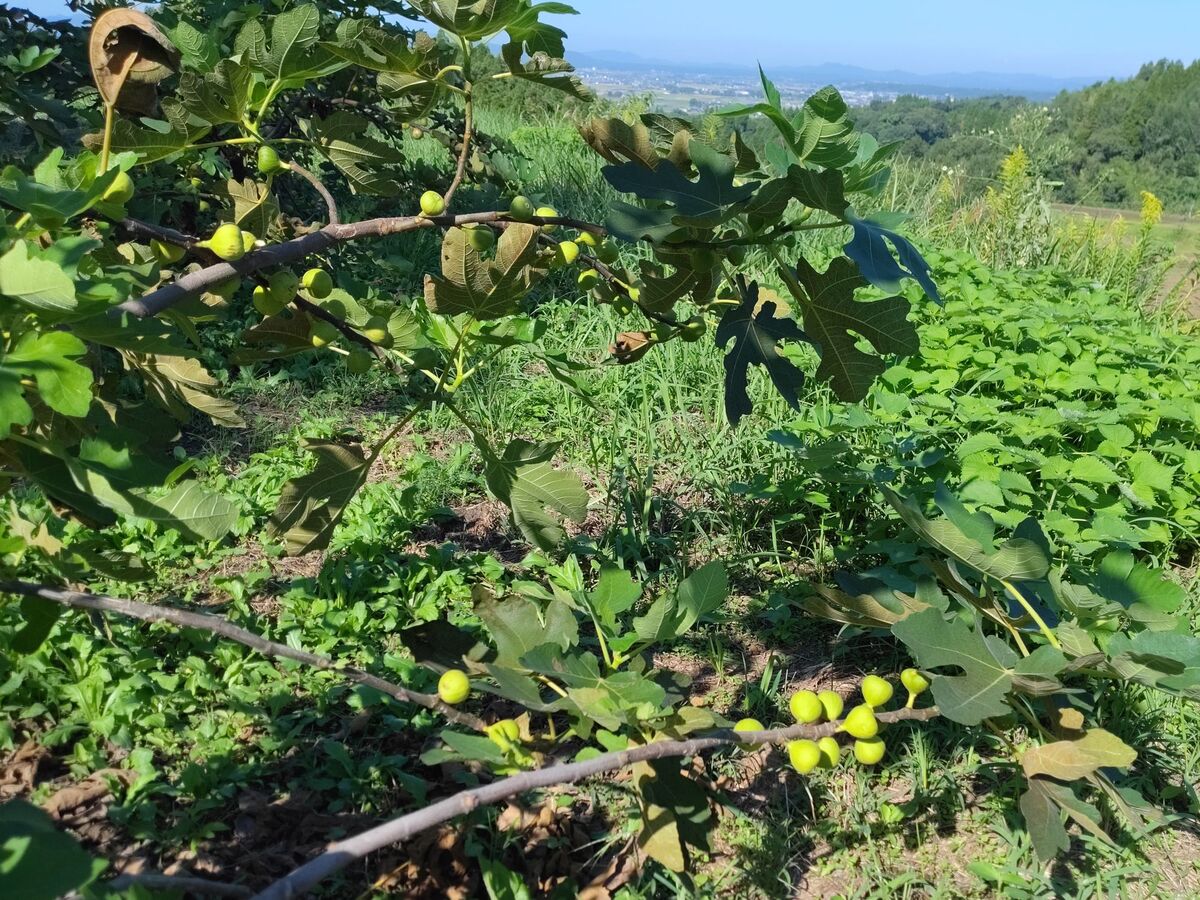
(1033, 614)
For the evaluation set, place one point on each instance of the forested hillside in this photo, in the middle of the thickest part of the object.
(1106, 143)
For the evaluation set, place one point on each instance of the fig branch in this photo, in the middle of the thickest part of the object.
(196, 283)
(222, 627)
(342, 853)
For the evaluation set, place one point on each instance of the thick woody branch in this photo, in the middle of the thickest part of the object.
(195, 283)
(159, 232)
(224, 628)
(342, 853)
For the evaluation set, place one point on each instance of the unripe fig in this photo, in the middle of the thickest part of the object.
(268, 161)
(693, 329)
(521, 209)
(869, 751)
(805, 707)
(607, 252)
(454, 686)
(507, 729)
(749, 725)
(736, 254)
(914, 681)
(120, 191)
(547, 212)
(703, 259)
(861, 723)
(432, 204)
(359, 361)
(283, 286)
(318, 283)
(266, 302)
(323, 333)
(804, 755)
(417, 132)
(587, 239)
(831, 752)
(566, 253)
(166, 253)
(481, 238)
(226, 242)
(831, 701)
(376, 331)
(588, 279)
(227, 288)
(248, 241)
(876, 691)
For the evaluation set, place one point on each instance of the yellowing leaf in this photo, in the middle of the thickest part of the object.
(1078, 758)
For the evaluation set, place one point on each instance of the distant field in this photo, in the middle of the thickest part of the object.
(1181, 232)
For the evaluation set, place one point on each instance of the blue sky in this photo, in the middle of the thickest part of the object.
(1050, 37)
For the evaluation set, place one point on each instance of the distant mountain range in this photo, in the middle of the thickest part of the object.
(845, 75)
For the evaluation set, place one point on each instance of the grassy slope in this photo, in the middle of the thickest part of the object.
(217, 735)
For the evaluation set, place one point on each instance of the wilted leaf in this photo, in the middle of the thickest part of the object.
(1078, 758)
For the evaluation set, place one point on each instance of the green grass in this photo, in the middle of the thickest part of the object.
(1021, 377)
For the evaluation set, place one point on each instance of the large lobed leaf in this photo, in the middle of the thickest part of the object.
(539, 496)
(311, 506)
(756, 332)
(485, 288)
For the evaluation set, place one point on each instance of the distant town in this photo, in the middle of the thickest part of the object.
(696, 92)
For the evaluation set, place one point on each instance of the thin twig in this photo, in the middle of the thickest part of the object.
(468, 132)
(312, 179)
(342, 853)
(159, 232)
(226, 629)
(351, 334)
(195, 283)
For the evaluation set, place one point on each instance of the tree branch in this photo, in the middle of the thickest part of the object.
(348, 331)
(200, 886)
(342, 853)
(312, 179)
(224, 628)
(468, 131)
(160, 232)
(195, 283)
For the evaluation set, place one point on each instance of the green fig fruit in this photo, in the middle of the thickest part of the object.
(869, 751)
(454, 686)
(547, 212)
(861, 723)
(322, 333)
(318, 283)
(432, 204)
(521, 209)
(693, 330)
(831, 752)
(166, 253)
(265, 302)
(226, 242)
(481, 238)
(120, 191)
(749, 725)
(831, 701)
(805, 707)
(268, 161)
(376, 331)
(876, 691)
(804, 755)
